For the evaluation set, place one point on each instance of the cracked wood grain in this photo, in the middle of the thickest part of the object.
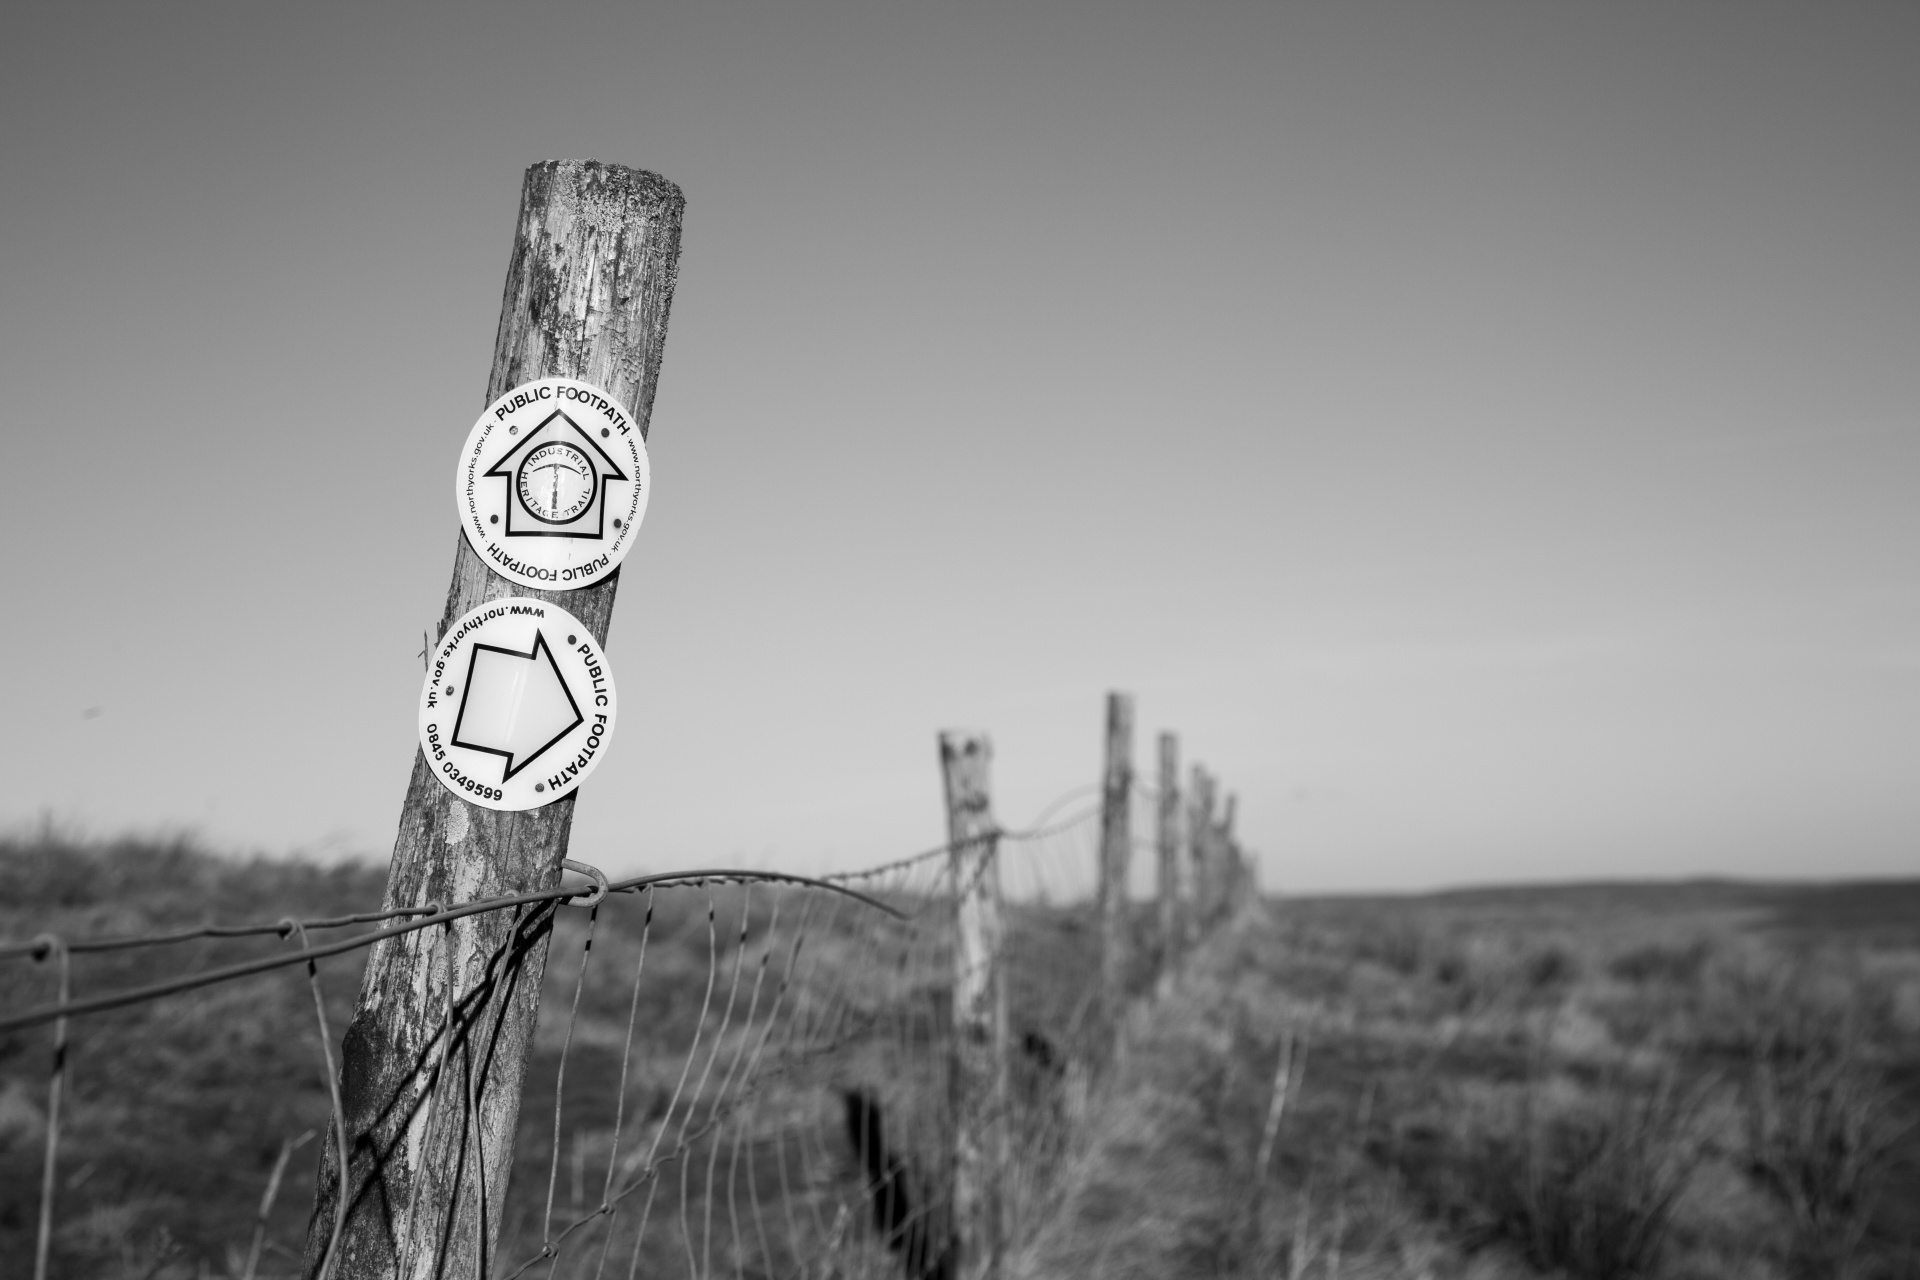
(595, 256)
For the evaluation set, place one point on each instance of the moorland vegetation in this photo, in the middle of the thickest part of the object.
(1684, 1081)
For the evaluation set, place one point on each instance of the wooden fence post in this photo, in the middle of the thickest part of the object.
(1234, 872)
(1200, 847)
(1167, 846)
(589, 284)
(978, 1083)
(1116, 856)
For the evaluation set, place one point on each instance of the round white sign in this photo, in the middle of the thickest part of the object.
(518, 706)
(552, 484)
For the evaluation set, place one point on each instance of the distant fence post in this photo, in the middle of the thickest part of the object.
(978, 1084)
(589, 283)
(1167, 847)
(1116, 855)
(1234, 878)
(1200, 847)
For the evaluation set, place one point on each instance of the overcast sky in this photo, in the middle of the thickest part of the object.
(1488, 433)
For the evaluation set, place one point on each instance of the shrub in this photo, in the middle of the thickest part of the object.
(1589, 1189)
(1819, 1136)
(1450, 970)
(1550, 966)
(1752, 1003)
(1399, 944)
(1662, 963)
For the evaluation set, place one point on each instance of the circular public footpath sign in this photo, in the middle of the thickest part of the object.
(552, 484)
(518, 706)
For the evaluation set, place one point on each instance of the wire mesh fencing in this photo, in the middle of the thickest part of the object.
(733, 1074)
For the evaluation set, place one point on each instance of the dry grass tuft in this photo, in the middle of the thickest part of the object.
(1145, 1192)
(1820, 1131)
(1589, 1186)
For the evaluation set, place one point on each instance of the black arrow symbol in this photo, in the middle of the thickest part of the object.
(515, 704)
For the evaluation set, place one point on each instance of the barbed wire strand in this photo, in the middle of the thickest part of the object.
(780, 1147)
(773, 1013)
(694, 1104)
(1034, 830)
(780, 996)
(706, 1073)
(733, 1163)
(780, 993)
(686, 1069)
(649, 1168)
(799, 1032)
(560, 1080)
(154, 991)
(127, 941)
(51, 945)
(745, 1083)
(753, 1184)
(733, 1067)
(751, 1095)
(295, 929)
(620, 1094)
(700, 1089)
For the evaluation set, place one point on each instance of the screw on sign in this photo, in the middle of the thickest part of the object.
(552, 484)
(518, 705)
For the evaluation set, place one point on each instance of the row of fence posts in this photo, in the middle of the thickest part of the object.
(1217, 877)
(589, 284)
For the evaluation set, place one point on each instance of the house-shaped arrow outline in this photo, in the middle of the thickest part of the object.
(539, 651)
(590, 523)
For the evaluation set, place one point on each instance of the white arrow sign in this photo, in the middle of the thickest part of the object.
(518, 705)
(515, 704)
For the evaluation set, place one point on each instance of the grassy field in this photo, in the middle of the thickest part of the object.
(1688, 1080)
(1697, 1080)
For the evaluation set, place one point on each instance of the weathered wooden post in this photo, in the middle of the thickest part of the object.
(978, 1083)
(589, 283)
(1116, 852)
(1167, 847)
(1200, 847)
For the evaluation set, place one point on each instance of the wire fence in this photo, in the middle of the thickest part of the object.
(738, 1073)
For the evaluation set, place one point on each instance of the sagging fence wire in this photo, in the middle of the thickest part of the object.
(795, 1116)
(424, 917)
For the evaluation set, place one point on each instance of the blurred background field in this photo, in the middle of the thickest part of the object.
(1684, 1080)
(1687, 1080)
